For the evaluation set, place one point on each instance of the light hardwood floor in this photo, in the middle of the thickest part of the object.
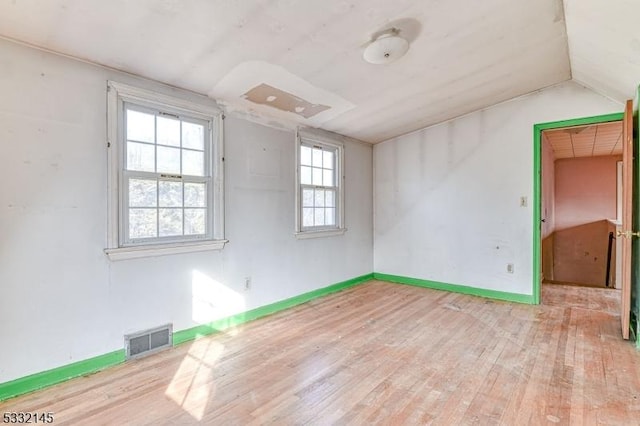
(380, 353)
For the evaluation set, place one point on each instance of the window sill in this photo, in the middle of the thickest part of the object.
(303, 235)
(124, 253)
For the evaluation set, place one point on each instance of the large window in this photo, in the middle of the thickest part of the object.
(165, 174)
(319, 205)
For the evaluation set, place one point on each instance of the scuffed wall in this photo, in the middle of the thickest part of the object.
(447, 203)
(62, 300)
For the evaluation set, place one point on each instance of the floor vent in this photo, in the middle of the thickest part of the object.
(147, 342)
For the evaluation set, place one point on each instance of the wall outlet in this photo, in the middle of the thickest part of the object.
(247, 283)
(510, 268)
(523, 201)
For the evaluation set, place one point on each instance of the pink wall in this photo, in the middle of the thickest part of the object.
(585, 190)
(547, 208)
(548, 189)
(584, 198)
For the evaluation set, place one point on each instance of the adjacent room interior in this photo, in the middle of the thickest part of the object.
(319, 212)
(582, 204)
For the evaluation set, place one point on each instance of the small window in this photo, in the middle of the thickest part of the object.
(319, 204)
(165, 164)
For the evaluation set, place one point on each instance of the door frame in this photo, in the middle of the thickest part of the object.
(537, 182)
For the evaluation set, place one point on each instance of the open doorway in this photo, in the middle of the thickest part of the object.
(627, 239)
(538, 129)
(580, 204)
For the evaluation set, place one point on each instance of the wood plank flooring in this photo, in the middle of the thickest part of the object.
(380, 353)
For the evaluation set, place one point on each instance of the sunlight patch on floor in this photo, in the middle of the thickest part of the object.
(192, 387)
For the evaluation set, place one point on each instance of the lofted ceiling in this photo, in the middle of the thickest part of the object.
(604, 45)
(463, 55)
(586, 141)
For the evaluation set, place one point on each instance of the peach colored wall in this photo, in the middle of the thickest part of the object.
(585, 199)
(547, 208)
(547, 257)
(585, 190)
(548, 189)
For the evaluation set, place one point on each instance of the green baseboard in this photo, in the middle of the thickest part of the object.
(58, 375)
(491, 294)
(237, 319)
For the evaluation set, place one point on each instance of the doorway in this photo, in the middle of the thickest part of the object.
(579, 204)
(628, 238)
(538, 130)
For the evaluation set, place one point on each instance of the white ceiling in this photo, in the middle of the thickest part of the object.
(604, 45)
(463, 56)
(586, 141)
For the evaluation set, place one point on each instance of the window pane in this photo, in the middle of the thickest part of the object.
(143, 193)
(168, 131)
(142, 223)
(194, 221)
(193, 163)
(165, 182)
(140, 126)
(317, 157)
(307, 197)
(140, 157)
(318, 217)
(168, 160)
(170, 222)
(305, 175)
(195, 195)
(307, 217)
(329, 198)
(317, 176)
(327, 162)
(330, 216)
(170, 194)
(305, 155)
(327, 178)
(319, 198)
(192, 135)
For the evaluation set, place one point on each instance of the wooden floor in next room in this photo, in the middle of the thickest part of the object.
(380, 353)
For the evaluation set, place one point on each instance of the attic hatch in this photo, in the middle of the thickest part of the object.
(147, 342)
(264, 94)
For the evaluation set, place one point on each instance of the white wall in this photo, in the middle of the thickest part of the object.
(62, 300)
(447, 198)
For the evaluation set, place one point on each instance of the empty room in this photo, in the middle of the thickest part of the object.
(319, 212)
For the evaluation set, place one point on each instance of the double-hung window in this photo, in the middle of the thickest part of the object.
(319, 186)
(165, 166)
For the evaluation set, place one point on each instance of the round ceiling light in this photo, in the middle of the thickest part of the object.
(386, 49)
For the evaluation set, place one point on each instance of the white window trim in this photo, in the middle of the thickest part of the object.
(117, 94)
(320, 139)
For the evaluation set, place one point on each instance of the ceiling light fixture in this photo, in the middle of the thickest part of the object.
(386, 48)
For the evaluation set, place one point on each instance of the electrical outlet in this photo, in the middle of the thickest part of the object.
(247, 283)
(510, 268)
(523, 201)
